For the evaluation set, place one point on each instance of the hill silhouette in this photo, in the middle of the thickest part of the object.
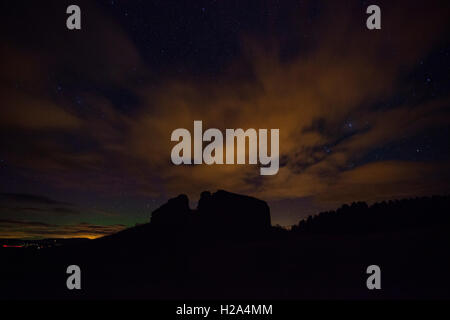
(227, 248)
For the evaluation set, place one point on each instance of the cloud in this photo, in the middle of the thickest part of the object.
(30, 198)
(21, 206)
(16, 229)
(388, 180)
(309, 98)
(109, 127)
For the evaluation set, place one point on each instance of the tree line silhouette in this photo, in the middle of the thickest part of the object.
(385, 216)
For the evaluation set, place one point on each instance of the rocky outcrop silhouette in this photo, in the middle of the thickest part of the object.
(221, 213)
(173, 213)
(230, 211)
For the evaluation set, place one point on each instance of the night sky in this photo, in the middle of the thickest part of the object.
(86, 115)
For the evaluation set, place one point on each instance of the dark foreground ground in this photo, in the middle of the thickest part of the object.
(414, 264)
(204, 254)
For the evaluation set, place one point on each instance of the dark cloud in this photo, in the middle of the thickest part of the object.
(33, 229)
(30, 198)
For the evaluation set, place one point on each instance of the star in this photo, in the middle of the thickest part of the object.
(78, 100)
